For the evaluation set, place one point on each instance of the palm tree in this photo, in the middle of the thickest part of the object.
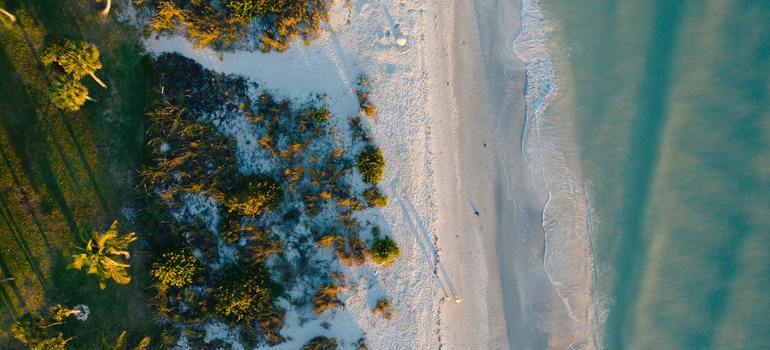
(77, 59)
(60, 313)
(32, 330)
(10, 15)
(69, 94)
(105, 255)
(120, 343)
(106, 10)
(84, 60)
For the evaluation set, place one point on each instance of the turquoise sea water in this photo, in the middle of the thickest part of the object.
(671, 104)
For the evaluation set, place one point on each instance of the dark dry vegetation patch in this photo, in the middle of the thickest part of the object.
(228, 24)
(279, 212)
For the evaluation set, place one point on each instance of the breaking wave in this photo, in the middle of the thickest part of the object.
(574, 319)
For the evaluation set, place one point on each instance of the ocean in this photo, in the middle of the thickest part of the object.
(668, 103)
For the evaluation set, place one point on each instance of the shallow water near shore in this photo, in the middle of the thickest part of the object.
(668, 101)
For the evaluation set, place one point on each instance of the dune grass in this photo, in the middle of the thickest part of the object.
(63, 172)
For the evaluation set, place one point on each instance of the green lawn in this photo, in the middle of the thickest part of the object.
(63, 172)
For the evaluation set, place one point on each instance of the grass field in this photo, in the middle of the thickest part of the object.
(61, 173)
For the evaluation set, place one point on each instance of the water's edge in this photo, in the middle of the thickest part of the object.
(548, 148)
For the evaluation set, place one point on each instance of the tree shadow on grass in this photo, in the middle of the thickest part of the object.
(18, 235)
(114, 309)
(7, 274)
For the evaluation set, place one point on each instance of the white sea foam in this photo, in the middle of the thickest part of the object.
(567, 258)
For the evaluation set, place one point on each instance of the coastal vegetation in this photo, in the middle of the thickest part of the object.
(233, 259)
(10, 16)
(321, 343)
(384, 251)
(362, 92)
(228, 234)
(175, 269)
(384, 309)
(371, 164)
(63, 171)
(225, 24)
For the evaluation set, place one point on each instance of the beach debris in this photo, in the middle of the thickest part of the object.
(401, 41)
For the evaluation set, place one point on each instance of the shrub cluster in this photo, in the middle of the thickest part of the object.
(185, 156)
(384, 309)
(246, 294)
(371, 164)
(327, 298)
(75, 60)
(253, 196)
(384, 251)
(362, 92)
(304, 179)
(277, 23)
(375, 198)
(321, 343)
(175, 269)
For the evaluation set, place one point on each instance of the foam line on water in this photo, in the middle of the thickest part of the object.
(565, 217)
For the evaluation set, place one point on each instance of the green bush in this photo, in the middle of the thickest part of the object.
(375, 198)
(371, 164)
(246, 295)
(327, 298)
(246, 10)
(384, 251)
(220, 23)
(255, 196)
(319, 114)
(321, 343)
(175, 269)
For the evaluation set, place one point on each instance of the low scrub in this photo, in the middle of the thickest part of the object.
(321, 343)
(246, 294)
(384, 251)
(327, 298)
(362, 92)
(221, 24)
(375, 198)
(383, 309)
(371, 164)
(175, 269)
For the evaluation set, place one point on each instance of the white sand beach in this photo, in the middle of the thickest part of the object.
(449, 91)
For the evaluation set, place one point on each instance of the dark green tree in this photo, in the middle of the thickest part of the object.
(69, 94)
(371, 164)
(384, 251)
(105, 255)
(175, 269)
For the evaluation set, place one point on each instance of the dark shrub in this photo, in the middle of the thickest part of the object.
(326, 298)
(384, 309)
(253, 196)
(384, 250)
(246, 295)
(175, 269)
(371, 164)
(321, 343)
(375, 198)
